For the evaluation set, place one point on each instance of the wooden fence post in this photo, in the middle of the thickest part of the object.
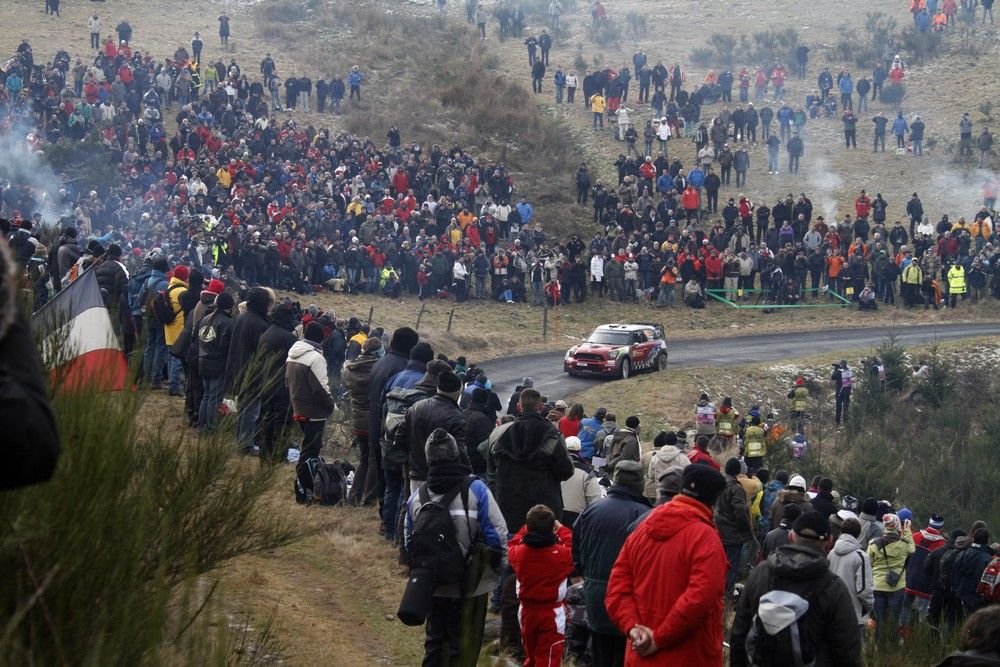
(450, 316)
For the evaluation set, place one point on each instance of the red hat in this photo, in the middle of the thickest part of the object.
(215, 286)
(181, 272)
(799, 381)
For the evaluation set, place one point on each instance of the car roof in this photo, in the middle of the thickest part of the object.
(627, 327)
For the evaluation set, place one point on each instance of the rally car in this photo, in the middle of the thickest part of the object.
(618, 350)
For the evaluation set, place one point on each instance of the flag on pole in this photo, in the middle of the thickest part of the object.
(79, 347)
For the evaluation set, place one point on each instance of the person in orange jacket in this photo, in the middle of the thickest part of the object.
(691, 203)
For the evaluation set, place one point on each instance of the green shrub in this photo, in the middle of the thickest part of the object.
(893, 94)
(605, 33)
(104, 564)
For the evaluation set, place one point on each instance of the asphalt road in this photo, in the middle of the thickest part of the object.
(546, 368)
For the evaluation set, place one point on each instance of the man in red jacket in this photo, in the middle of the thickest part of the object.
(666, 587)
(541, 555)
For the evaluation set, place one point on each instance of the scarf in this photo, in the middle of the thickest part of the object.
(443, 476)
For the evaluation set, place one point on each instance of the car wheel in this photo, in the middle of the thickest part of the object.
(625, 370)
(661, 361)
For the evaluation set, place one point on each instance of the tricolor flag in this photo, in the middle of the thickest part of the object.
(79, 347)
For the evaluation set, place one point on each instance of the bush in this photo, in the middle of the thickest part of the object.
(605, 33)
(636, 23)
(893, 94)
(84, 163)
(103, 565)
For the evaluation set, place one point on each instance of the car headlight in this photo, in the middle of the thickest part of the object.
(613, 354)
(570, 352)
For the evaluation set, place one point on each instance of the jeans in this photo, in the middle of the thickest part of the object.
(599, 118)
(154, 355)
(843, 405)
(246, 422)
(734, 554)
(668, 296)
(886, 612)
(918, 146)
(559, 94)
(175, 368)
(772, 161)
(391, 501)
(208, 413)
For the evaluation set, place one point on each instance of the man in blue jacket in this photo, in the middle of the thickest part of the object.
(588, 432)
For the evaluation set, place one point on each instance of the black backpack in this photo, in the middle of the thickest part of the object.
(163, 312)
(434, 545)
(319, 482)
(777, 635)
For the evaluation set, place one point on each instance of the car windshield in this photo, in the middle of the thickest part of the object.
(610, 337)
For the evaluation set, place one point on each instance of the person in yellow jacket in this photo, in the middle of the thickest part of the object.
(177, 286)
(956, 283)
(913, 278)
(754, 445)
(981, 230)
(356, 207)
(798, 403)
(224, 177)
(888, 555)
(598, 105)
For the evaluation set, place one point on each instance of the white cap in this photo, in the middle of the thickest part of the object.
(573, 444)
(799, 481)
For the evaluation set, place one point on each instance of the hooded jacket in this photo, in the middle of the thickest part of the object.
(580, 491)
(175, 289)
(275, 343)
(663, 459)
(789, 497)
(624, 447)
(214, 335)
(598, 536)
(531, 463)
(306, 377)
(732, 513)
(244, 368)
(830, 623)
(670, 577)
(918, 580)
(421, 419)
(890, 552)
(849, 561)
(357, 379)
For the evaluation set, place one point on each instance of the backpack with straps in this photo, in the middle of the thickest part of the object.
(989, 584)
(163, 311)
(434, 544)
(777, 634)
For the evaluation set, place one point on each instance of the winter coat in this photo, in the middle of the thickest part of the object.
(670, 577)
(480, 515)
(243, 365)
(531, 463)
(589, 428)
(824, 503)
(356, 377)
(214, 335)
(890, 552)
(918, 580)
(306, 377)
(275, 343)
(421, 419)
(849, 561)
(581, 490)
(175, 289)
(830, 623)
(383, 371)
(663, 459)
(870, 529)
(732, 514)
(598, 536)
(624, 446)
(965, 575)
(789, 497)
(541, 565)
(478, 426)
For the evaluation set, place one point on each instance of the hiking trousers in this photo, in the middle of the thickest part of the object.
(455, 631)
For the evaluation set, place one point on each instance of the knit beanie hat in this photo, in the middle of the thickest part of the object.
(441, 447)
(869, 506)
(733, 467)
(181, 272)
(630, 475)
(224, 301)
(812, 525)
(313, 333)
(372, 344)
(891, 523)
(670, 482)
(936, 522)
(215, 286)
(702, 483)
(422, 352)
(448, 382)
(905, 514)
(403, 340)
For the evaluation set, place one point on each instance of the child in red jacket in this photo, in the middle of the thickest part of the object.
(541, 555)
